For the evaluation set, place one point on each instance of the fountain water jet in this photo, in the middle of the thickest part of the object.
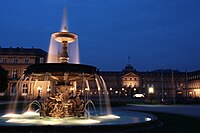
(64, 20)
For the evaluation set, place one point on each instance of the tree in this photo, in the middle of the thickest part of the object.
(3, 79)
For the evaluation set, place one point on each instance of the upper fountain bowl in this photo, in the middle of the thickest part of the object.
(60, 68)
(64, 36)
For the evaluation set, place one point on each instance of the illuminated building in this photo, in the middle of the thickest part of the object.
(166, 83)
(15, 61)
(194, 84)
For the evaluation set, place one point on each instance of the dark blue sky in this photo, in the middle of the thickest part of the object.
(155, 33)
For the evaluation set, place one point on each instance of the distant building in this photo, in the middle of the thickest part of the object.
(122, 83)
(166, 83)
(194, 84)
(15, 61)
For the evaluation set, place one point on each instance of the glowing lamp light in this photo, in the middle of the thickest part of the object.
(147, 119)
(10, 115)
(30, 113)
(85, 121)
(48, 90)
(39, 88)
(71, 88)
(110, 116)
(151, 90)
(87, 89)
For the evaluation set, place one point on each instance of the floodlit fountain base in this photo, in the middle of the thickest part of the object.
(129, 121)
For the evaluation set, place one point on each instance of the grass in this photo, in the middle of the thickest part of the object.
(173, 123)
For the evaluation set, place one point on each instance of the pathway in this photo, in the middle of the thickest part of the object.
(189, 110)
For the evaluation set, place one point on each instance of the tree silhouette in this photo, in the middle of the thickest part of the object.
(3, 79)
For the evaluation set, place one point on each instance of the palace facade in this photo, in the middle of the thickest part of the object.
(126, 83)
(15, 61)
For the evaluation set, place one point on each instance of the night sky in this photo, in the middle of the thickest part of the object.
(154, 33)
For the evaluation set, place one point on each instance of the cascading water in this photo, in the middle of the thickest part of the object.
(53, 53)
(74, 53)
(99, 92)
(12, 107)
(107, 99)
(28, 108)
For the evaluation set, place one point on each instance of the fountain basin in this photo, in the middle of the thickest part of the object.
(128, 121)
(64, 37)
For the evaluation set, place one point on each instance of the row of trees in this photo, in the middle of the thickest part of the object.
(3, 79)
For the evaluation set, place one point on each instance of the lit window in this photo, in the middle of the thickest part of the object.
(4, 60)
(13, 89)
(26, 60)
(135, 85)
(25, 89)
(41, 60)
(130, 85)
(15, 60)
(14, 73)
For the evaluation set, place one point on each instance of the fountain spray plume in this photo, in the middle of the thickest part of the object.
(64, 27)
(73, 49)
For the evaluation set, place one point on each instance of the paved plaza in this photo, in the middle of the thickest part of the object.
(189, 110)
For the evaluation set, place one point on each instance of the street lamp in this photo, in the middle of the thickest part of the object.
(122, 92)
(48, 89)
(151, 91)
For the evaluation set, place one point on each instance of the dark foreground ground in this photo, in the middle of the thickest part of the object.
(174, 123)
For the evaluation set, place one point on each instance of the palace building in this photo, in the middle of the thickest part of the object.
(15, 61)
(194, 84)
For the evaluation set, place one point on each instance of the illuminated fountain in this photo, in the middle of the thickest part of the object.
(63, 93)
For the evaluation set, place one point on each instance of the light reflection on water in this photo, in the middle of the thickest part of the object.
(31, 118)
